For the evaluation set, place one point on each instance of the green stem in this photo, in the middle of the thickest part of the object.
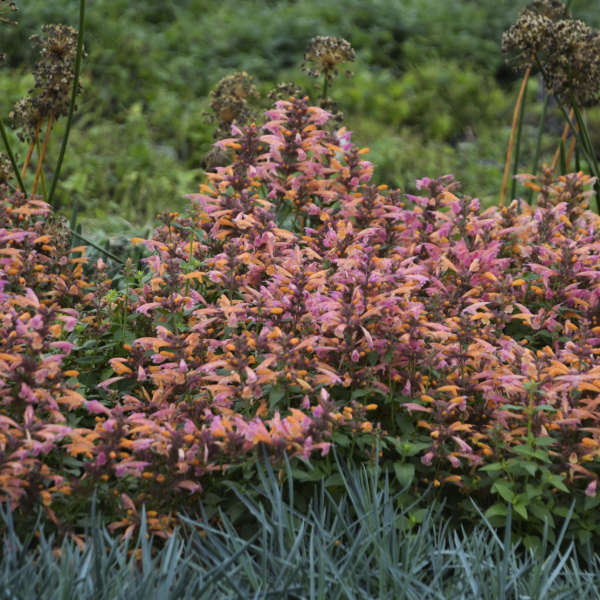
(538, 143)
(63, 147)
(93, 245)
(517, 147)
(325, 86)
(11, 156)
(563, 158)
(583, 138)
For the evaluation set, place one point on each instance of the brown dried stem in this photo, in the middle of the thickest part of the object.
(563, 139)
(43, 153)
(31, 147)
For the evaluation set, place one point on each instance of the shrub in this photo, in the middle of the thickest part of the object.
(297, 306)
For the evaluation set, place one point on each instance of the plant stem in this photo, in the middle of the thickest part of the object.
(31, 147)
(43, 153)
(11, 156)
(43, 177)
(571, 151)
(563, 138)
(517, 147)
(538, 143)
(93, 245)
(516, 115)
(581, 133)
(63, 147)
(325, 85)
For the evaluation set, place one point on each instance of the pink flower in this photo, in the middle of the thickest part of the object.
(427, 458)
(590, 490)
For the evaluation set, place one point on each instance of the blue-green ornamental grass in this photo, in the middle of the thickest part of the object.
(361, 546)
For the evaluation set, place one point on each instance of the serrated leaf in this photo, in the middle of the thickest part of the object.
(405, 473)
(520, 509)
(496, 510)
(492, 468)
(504, 489)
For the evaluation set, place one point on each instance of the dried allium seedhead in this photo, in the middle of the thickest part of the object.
(229, 102)
(566, 50)
(283, 91)
(575, 69)
(6, 171)
(324, 54)
(25, 117)
(5, 9)
(553, 9)
(530, 36)
(53, 76)
(54, 71)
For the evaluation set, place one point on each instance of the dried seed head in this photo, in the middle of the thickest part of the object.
(6, 9)
(6, 171)
(553, 9)
(53, 75)
(527, 38)
(283, 91)
(324, 54)
(567, 50)
(54, 71)
(25, 117)
(575, 70)
(229, 102)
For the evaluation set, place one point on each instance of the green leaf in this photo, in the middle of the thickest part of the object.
(404, 473)
(496, 510)
(539, 511)
(521, 467)
(340, 439)
(504, 488)
(335, 480)
(532, 491)
(544, 441)
(492, 468)
(372, 358)
(275, 396)
(521, 509)
(315, 474)
(557, 481)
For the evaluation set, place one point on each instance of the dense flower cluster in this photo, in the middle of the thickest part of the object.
(296, 303)
(40, 281)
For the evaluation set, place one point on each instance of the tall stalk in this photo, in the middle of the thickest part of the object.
(63, 147)
(517, 116)
(11, 157)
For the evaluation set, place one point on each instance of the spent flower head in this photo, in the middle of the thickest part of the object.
(553, 9)
(324, 54)
(53, 77)
(6, 170)
(229, 101)
(5, 9)
(54, 71)
(566, 50)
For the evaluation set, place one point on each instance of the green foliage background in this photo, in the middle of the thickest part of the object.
(430, 94)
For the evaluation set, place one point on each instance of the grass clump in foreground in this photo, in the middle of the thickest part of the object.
(297, 308)
(361, 546)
